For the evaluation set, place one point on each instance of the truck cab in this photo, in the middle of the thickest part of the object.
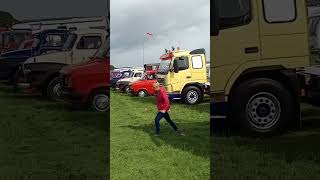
(78, 47)
(184, 74)
(117, 75)
(88, 82)
(257, 48)
(43, 42)
(144, 87)
(136, 74)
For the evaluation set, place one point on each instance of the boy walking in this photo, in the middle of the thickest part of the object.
(163, 106)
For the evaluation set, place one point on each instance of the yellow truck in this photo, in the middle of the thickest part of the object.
(184, 75)
(261, 65)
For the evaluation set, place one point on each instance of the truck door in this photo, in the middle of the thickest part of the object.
(198, 68)
(283, 28)
(86, 47)
(237, 18)
(178, 80)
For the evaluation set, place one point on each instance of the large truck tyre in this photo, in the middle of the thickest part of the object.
(262, 107)
(54, 89)
(99, 101)
(192, 95)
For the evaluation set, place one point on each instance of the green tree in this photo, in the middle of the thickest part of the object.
(112, 67)
(6, 19)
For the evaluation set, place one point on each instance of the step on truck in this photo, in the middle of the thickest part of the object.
(261, 65)
(184, 75)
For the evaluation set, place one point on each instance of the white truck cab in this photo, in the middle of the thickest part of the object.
(137, 74)
(79, 46)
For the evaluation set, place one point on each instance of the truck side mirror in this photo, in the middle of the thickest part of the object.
(175, 66)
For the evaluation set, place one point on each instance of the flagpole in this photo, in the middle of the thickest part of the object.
(143, 51)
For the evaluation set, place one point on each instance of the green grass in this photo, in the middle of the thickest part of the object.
(292, 156)
(40, 139)
(137, 154)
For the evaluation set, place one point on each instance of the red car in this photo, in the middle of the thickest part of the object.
(144, 87)
(88, 83)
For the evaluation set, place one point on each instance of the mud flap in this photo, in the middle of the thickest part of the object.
(218, 119)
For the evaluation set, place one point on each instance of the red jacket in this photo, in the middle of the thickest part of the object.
(162, 100)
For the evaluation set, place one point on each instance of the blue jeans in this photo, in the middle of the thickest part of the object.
(166, 116)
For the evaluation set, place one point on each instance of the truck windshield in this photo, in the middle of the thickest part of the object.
(126, 74)
(69, 42)
(103, 52)
(164, 66)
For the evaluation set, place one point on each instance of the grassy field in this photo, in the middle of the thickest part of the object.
(293, 156)
(137, 154)
(40, 139)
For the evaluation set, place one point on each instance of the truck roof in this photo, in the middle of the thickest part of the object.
(179, 53)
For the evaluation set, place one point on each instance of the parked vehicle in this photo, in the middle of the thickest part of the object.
(88, 82)
(47, 41)
(117, 75)
(144, 87)
(11, 40)
(151, 67)
(124, 83)
(42, 72)
(262, 74)
(184, 75)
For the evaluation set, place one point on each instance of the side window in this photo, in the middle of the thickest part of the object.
(183, 63)
(276, 11)
(89, 42)
(197, 62)
(53, 40)
(234, 13)
(138, 75)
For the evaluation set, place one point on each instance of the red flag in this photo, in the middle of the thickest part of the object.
(149, 34)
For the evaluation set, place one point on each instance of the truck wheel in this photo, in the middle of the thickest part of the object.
(100, 101)
(54, 89)
(262, 106)
(192, 95)
(142, 93)
(126, 89)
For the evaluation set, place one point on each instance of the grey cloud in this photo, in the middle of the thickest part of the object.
(178, 23)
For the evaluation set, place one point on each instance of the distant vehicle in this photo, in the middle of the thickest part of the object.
(151, 66)
(43, 42)
(124, 83)
(42, 72)
(11, 40)
(144, 87)
(117, 75)
(88, 82)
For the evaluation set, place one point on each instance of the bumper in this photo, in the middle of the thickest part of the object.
(174, 96)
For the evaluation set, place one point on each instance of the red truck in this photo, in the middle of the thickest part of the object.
(88, 82)
(143, 87)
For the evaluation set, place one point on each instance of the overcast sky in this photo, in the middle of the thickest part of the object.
(174, 23)
(35, 9)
